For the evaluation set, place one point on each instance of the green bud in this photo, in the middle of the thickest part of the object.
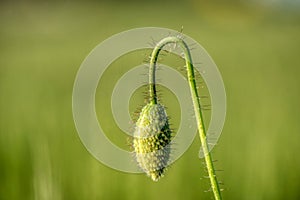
(151, 138)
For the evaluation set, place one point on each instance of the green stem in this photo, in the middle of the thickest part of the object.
(195, 99)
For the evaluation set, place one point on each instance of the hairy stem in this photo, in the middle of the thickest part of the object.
(195, 99)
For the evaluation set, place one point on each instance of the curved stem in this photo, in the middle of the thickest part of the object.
(195, 99)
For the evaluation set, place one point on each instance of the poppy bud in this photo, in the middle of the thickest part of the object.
(152, 137)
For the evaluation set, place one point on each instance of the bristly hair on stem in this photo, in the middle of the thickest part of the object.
(195, 98)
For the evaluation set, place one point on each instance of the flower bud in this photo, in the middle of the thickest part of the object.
(152, 137)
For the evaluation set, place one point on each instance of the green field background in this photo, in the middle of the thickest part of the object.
(42, 44)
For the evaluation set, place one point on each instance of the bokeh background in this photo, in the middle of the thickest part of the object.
(255, 44)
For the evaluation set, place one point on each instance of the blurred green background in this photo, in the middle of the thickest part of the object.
(256, 46)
